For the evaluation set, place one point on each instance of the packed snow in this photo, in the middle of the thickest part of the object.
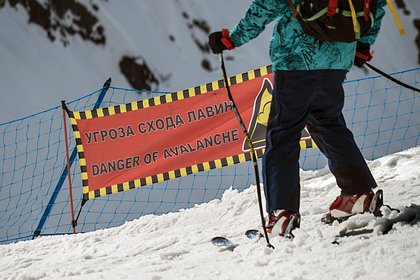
(177, 245)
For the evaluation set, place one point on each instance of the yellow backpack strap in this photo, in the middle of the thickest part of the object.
(396, 18)
(354, 19)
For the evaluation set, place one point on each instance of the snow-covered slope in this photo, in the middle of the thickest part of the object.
(177, 245)
(50, 53)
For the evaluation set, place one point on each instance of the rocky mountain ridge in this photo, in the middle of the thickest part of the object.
(147, 45)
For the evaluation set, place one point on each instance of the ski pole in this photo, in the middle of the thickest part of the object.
(391, 78)
(251, 147)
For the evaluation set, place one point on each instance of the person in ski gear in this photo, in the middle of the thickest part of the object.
(308, 77)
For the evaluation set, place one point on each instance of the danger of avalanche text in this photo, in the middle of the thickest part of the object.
(200, 144)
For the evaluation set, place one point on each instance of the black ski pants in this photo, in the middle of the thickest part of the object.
(314, 98)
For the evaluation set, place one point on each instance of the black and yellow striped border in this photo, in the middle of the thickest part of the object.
(80, 152)
(171, 97)
(158, 178)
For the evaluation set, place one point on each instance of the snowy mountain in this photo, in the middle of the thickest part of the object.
(177, 245)
(54, 50)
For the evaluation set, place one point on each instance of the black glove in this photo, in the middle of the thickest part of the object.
(220, 41)
(362, 54)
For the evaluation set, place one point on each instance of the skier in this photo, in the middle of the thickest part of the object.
(308, 77)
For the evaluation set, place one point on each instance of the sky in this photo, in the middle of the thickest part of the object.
(177, 245)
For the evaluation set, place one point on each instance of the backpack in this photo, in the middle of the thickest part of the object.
(336, 20)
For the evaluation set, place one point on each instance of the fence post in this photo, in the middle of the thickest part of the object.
(63, 176)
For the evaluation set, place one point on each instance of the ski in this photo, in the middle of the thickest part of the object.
(407, 215)
(223, 243)
(226, 245)
(364, 229)
(253, 234)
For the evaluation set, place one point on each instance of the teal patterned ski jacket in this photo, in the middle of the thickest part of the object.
(290, 47)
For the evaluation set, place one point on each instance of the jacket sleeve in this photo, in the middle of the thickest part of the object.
(259, 14)
(370, 37)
